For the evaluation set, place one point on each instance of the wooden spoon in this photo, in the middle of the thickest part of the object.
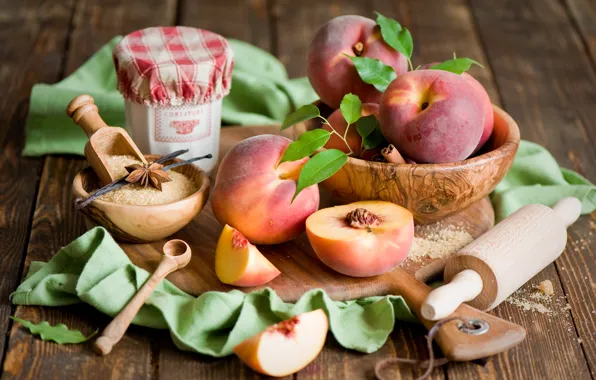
(177, 255)
(103, 140)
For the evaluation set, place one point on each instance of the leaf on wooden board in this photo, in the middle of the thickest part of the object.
(302, 114)
(373, 71)
(351, 108)
(59, 333)
(395, 35)
(319, 168)
(307, 144)
(456, 65)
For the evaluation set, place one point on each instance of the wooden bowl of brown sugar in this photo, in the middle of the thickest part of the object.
(145, 223)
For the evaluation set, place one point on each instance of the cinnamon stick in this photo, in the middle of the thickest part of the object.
(392, 155)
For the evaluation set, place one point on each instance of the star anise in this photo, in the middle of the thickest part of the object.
(150, 174)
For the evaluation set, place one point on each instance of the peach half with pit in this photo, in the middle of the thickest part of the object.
(432, 116)
(332, 74)
(253, 191)
(239, 263)
(361, 239)
(339, 124)
(286, 347)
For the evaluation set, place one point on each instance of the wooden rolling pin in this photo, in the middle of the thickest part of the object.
(492, 267)
(103, 140)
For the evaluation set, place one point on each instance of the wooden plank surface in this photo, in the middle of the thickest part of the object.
(583, 13)
(33, 39)
(537, 55)
(548, 85)
(56, 223)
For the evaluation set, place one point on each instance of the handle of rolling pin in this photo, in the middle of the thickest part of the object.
(568, 209)
(444, 300)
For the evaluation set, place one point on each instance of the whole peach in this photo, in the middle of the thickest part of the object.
(489, 117)
(332, 74)
(432, 116)
(253, 191)
(339, 124)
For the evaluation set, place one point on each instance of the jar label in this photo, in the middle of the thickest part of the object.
(183, 124)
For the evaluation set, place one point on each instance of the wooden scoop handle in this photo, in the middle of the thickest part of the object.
(83, 112)
(456, 344)
(116, 329)
(177, 254)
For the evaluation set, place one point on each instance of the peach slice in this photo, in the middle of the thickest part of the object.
(239, 263)
(286, 347)
(361, 239)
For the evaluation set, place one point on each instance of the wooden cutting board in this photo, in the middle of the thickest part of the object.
(300, 268)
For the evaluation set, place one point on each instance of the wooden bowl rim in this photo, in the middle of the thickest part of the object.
(205, 182)
(508, 147)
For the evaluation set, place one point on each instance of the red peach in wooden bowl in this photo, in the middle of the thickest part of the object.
(330, 70)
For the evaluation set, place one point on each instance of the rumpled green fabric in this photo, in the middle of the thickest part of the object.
(95, 270)
(261, 94)
(535, 177)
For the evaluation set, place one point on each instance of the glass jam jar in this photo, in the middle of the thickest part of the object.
(173, 80)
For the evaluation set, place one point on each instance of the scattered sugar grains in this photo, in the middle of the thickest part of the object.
(436, 244)
(539, 299)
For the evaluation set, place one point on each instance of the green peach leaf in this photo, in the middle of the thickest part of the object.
(456, 65)
(303, 113)
(373, 140)
(320, 167)
(367, 125)
(373, 71)
(396, 36)
(59, 333)
(307, 144)
(351, 108)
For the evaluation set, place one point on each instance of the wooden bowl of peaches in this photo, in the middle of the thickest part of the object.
(446, 145)
(430, 191)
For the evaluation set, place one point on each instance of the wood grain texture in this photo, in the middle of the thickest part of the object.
(584, 14)
(246, 20)
(430, 191)
(33, 36)
(547, 84)
(56, 223)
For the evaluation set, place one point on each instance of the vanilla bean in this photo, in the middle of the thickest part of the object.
(82, 202)
(176, 164)
(169, 156)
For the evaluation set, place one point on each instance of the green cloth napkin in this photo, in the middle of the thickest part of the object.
(535, 177)
(261, 94)
(95, 270)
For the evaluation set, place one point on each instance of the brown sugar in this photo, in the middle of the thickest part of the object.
(135, 194)
(437, 241)
(546, 287)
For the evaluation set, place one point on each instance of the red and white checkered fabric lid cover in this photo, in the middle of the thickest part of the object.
(173, 66)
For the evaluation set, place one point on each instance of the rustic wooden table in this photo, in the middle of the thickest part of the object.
(540, 65)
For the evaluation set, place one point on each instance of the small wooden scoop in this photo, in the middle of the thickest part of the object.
(103, 140)
(177, 255)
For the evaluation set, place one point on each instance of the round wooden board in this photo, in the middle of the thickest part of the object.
(301, 269)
